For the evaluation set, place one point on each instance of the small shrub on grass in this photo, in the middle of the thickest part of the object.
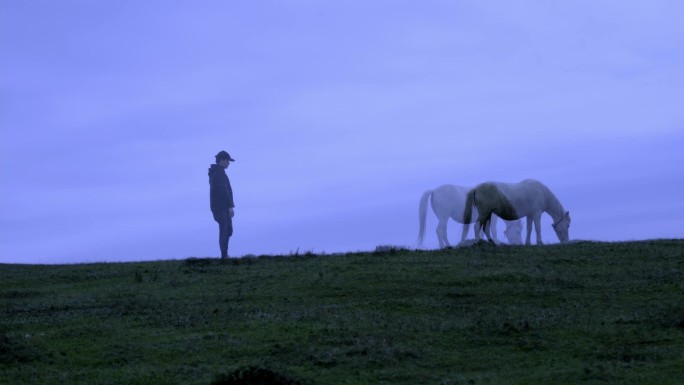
(254, 375)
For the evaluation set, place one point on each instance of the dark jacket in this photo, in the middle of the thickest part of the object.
(220, 192)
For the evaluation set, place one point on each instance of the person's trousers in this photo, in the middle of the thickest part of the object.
(225, 229)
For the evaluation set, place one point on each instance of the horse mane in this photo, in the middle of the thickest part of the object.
(555, 205)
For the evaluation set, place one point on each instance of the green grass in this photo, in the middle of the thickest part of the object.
(589, 313)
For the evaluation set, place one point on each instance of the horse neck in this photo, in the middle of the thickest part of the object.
(554, 207)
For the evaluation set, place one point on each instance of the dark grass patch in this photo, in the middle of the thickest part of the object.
(15, 351)
(200, 262)
(672, 318)
(254, 375)
(19, 294)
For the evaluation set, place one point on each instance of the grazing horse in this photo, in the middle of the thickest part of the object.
(448, 201)
(510, 201)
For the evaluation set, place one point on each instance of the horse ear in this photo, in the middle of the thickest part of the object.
(567, 214)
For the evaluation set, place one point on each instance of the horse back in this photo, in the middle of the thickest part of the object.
(449, 200)
(490, 199)
(528, 197)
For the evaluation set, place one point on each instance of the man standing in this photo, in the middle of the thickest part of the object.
(221, 199)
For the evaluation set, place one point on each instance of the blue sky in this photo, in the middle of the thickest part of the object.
(340, 115)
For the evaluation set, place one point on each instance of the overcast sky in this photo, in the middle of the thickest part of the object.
(340, 114)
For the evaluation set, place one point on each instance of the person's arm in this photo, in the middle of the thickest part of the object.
(231, 204)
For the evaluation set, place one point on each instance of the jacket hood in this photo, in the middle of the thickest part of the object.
(213, 168)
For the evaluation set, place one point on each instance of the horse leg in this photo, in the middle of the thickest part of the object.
(537, 228)
(492, 227)
(441, 233)
(477, 228)
(464, 232)
(486, 226)
(529, 230)
(444, 234)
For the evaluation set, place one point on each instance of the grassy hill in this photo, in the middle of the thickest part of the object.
(558, 314)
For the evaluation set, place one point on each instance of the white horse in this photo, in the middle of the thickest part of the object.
(448, 201)
(510, 201)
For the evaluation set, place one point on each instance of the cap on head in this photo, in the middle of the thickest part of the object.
(223, 155)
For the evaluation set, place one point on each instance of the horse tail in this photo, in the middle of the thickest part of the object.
(468, 211)
(422, 214)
